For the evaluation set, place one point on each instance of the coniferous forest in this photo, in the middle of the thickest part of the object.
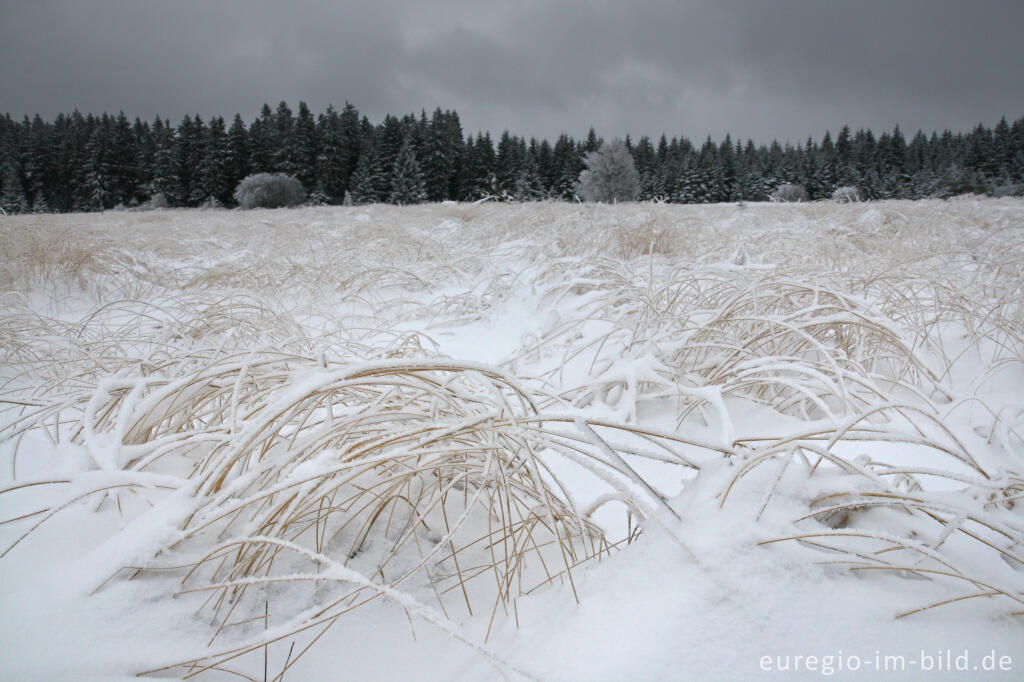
(91, 163)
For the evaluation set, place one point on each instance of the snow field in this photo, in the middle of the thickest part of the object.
(536, 441)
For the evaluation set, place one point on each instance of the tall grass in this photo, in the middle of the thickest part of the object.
(273, 384)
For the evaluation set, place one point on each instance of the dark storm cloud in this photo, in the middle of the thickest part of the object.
(786, 68)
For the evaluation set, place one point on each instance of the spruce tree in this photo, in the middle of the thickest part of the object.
(238, 153)
(189, 152)
(145, 150)
(122, 154)
(390, 138)
(528, 185)
(332, 161)
(351, 140)
(508, 162)
(439, 156)
(97, 189)
(262, 142)
(406, 179)
(38, 161)
(75, 197)
(367, 183)
(165, 165)
(284, 155)
(214, 181)
(567, 164)
(304, 143)
(12, 198)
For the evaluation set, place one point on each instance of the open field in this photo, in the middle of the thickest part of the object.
(524, 441)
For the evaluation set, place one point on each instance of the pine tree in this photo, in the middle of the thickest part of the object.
(406, 179)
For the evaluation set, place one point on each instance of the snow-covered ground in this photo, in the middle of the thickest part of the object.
(538, 441)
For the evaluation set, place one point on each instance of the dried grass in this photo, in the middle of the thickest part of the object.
(278, 382)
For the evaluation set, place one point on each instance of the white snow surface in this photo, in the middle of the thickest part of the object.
(816, 365)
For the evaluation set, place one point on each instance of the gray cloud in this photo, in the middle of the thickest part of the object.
(786, 69)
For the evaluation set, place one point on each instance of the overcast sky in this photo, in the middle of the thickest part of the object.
(764, 69)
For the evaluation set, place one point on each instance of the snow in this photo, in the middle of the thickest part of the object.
(812, 412)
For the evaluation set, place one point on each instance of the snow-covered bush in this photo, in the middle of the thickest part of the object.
(1008, 190)
(846, 195)
(790, 192)
(610, 175)
(269, 190)
(158, 200)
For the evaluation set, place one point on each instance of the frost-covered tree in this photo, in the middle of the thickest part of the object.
(269, 190)
(610, 175)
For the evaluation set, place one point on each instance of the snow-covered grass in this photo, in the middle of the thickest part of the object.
(540, 441)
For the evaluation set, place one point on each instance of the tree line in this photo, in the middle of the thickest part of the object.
(91, 163)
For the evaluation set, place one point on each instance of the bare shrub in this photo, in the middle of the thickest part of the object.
(269, 190)
(1008, 190)
(846, 195)
(159, 200)
(789, 192)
